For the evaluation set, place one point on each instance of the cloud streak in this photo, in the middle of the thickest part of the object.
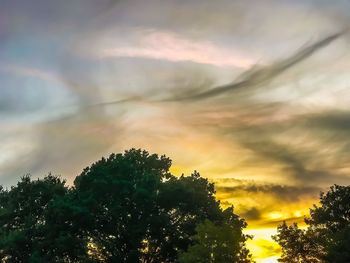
(171, 47)
(258, 76)
(287, 193)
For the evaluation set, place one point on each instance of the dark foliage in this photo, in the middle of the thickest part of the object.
(29, 231)
(124, 208)
(327, 236)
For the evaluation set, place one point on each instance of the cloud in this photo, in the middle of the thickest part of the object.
(258, 76)
(172, 47)
(254, 79)
(294, 162)
(251, 214)
(286, 193)
(267, 204)
(27, 93)
(330, 120)
(30, 72)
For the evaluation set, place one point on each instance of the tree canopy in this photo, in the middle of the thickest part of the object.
(124, 208)
(216, 244)
(327, 236)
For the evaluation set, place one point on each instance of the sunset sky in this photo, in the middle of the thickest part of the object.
(254, 95)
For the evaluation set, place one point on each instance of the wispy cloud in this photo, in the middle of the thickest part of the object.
(173, 47)
(258, 76)
(288, 193)
(27, 71)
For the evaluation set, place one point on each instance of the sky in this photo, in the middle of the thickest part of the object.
(252, 94)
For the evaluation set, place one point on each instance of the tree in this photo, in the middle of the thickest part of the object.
(338, 249)
(331, 220)
(124, 208)
(26, 234)
(326, 238)
(136, 211)
(118, 200)
(216, 244)
(297, 244)
(334, 210)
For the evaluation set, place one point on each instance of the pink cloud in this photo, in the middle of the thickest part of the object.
(172, 47)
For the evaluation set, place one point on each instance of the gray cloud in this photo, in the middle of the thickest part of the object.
(334, 120)
(281, 192)
(260, 75)
(294, 161)
(251, 214)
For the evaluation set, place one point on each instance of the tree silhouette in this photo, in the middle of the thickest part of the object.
(327, 236)
(216, 244)
(124, 208)
(27, 231)
(297, 245)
